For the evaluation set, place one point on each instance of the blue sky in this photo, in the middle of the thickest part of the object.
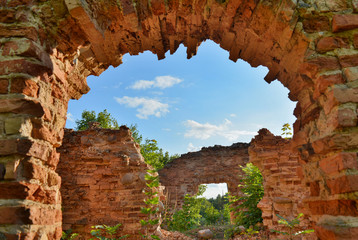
(187, 104)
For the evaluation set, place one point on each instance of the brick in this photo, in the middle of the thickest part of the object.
(330, 43)
(334, 207)
(24, 147)
(28, 191)
(22, 106)
(324, 81)
(23, 66)
(344, 22)
(344, 184)
(41, 131)
(20, 47)
(31, 170)
(339, 162)
(16, 31)
(347, 116)
(25, 86)
(8, 146)
(4, 84)
(316, 24)
(345, 95)
(349, 60)
(14, 215)
(325, 63)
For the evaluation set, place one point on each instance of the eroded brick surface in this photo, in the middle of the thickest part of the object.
(284, 186)
(216, 164)
(102, 175)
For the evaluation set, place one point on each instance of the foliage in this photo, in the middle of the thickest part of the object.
(197, 211)
(247, 213)
(104, 118)
(101, 231)
(220, 202)
(189, 216)
(152, 154)
(68, 235)
(286, 131)
(291, 226)
(245, 207)
(152, 203)
(214, 214)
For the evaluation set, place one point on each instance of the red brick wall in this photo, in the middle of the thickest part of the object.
(102, 175)
(284, 186)
(216, 164)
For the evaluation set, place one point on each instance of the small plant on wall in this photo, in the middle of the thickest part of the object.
(291, 227)
(152, 205)
(286, 131)
(105, 232)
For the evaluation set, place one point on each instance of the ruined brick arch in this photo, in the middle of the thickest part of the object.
(48, 48)
(216, 164)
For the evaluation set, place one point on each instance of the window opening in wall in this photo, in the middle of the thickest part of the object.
(215, 189)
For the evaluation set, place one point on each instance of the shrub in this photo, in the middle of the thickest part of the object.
(245, 207)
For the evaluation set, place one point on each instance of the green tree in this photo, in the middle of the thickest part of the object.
(246, 212)
(104, 118)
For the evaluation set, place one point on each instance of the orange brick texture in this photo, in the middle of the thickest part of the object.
(102, 175)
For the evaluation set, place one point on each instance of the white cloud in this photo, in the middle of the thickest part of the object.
(70, 117)
(159, 82)
(207, 130)
(192, 148)
(142, 84)
(166, 81)
(145, 106)
(233, 115)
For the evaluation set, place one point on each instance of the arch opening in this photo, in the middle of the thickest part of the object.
(310, 47)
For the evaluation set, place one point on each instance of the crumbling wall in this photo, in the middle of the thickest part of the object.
(216, 164)
(102, 175)
(284, 185)
(49, 47)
